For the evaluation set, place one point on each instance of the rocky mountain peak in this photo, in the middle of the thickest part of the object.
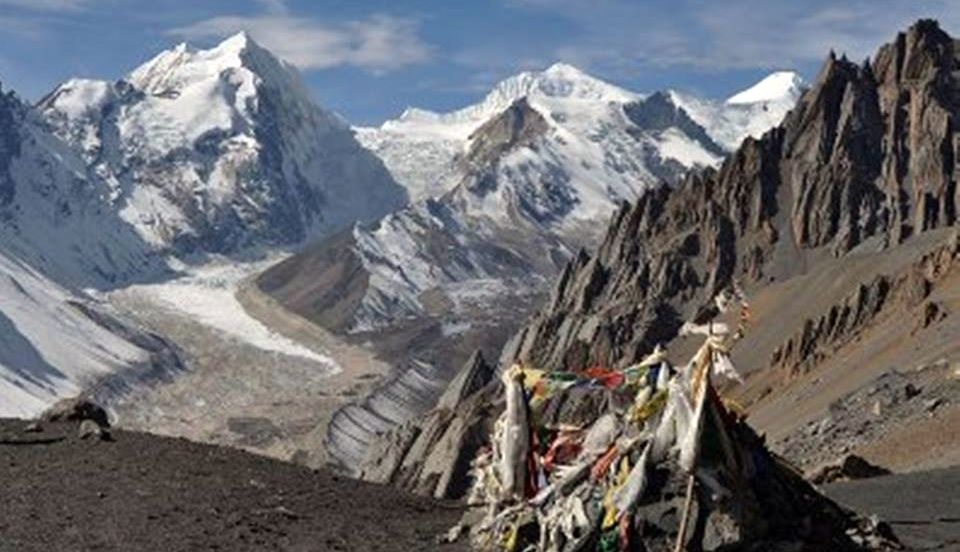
(170, 72)
(925, 51)
(517, 126)
(10, 112)
(775, 86)
(220, 150)
(866, 159)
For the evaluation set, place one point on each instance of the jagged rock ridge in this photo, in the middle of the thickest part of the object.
(866, 160)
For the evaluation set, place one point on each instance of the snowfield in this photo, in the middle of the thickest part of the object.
(50, 347)
(207, 294)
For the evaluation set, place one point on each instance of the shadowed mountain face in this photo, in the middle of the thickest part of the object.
(865, 162)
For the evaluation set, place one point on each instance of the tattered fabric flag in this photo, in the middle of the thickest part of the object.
(628, 495)
(708, 329)
(515, 440)
(724, 368)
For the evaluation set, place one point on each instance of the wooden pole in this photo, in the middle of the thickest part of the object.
(685, 518)
(688, 500)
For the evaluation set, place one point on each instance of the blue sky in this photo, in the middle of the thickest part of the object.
(368, 60)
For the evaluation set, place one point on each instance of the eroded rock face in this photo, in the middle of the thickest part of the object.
(10, 111)
(519, 125)
(431, 454)
(867, 158)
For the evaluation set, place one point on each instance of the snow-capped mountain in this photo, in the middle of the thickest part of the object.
(101, 183)
(518, 182)
(53, 211)
(221, 149)
(747, 113)
(512, 187)
(56, 236)
(422, 148)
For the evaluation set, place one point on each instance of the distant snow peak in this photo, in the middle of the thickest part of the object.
(560, 80)
(538, 161)
(221, 149)
(779, 85)
(748, 113)
(183, 65)
(421, 148)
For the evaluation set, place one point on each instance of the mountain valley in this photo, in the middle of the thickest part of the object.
(207, 253)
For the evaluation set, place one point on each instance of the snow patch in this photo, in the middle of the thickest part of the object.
(776, 86)
(676, 145)
(49, 348)
(207, 294)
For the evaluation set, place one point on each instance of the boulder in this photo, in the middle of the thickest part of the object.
(91, 430)
(849, 467)
(76, 409)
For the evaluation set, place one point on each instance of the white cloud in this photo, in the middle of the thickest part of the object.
(379, 44)
(624, 36)
(44, 5)
(23, 27)
(273, 6)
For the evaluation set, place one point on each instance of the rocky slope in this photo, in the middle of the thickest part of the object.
(56, 238)
(540, 160)
(865, 162)
(839, 225)
(219, 150)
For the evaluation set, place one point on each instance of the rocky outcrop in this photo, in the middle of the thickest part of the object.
(865, 160)
(357, 426)
(432, 453)
(519, 125)
(849, 467)
(818, 337)
(906, 292)
(10, 110)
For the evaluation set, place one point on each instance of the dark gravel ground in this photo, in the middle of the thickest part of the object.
(142, 492)
(922, 507)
